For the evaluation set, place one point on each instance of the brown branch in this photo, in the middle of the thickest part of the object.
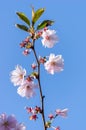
(40, 88)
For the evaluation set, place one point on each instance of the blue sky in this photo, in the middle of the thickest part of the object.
(63, 90)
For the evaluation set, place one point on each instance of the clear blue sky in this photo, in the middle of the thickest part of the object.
(64, 90)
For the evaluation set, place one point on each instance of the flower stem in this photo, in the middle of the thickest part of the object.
(40, 88)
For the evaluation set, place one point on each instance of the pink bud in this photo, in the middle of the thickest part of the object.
(29, 109)
(38, 109)
(22, 44)
(33, 66)
(26, 52)
(26, 40)
(39, 33)
(33, 117)
(45, 28)
(51, 116)
(42, 60)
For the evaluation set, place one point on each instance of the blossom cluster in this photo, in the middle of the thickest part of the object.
(10, 123)
(37, 110)
(54, 63)
(26, 85)
(33, 112)
(51, 63)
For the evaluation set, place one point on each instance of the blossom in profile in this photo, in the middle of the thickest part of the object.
(62, 113)
(27, 89)
(7, 122)
(49, 38)
(17, 75)
(20, 126)
(54, 64)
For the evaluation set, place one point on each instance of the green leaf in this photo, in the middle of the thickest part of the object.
(37, 15)
(33, 13)
(23, 17)
(22, 27)
(44, 24)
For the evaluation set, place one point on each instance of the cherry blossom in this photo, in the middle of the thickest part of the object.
(27, 89)
(49, 38)
(7, 122)
(17, 75)
(54, 64)
(62, 113)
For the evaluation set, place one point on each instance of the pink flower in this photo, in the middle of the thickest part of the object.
(20, 126)
(42, 60)
(7, 122)
(62, 113)
(17, 75)
(22, 44)
(49, 38)
(54, 64)
(27, 89)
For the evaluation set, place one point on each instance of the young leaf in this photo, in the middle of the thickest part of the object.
(34, 75)
(37, 15)
(33, 13)
(23, 17)
(45, 23)
(22, 27)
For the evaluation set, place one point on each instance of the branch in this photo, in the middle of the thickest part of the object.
(40, 88)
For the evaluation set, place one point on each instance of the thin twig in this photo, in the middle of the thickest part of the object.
(40, 88)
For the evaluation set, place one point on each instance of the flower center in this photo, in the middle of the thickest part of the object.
(6, 123)
(53, 63)
(47, 38)
(21, 76)
(28, 87)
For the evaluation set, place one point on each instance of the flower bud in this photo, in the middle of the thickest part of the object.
(33, 117)
(51, 116)
(26, 52)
